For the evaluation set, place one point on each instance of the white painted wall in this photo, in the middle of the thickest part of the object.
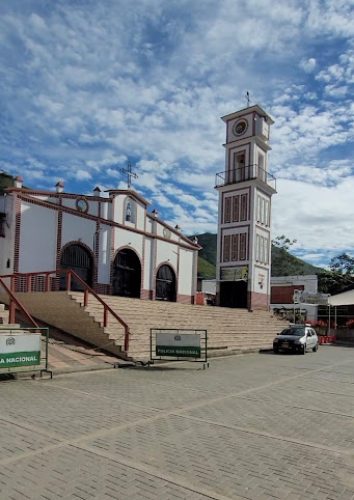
(260, 280)
(78, 228)
(105, 209)
(104, 260)
(38, 238)
(148, 264)
(124, 238)
(166, 252)
(117, 209)
(140, 216)
(69, 202)
(185, 278)
(92, 204)
(159, 229)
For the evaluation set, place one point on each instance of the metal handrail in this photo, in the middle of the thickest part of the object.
(87, 290)
(106, 308)
(245, 173)
(12, 306)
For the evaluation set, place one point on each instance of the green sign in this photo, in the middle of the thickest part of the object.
(178, 345)
(178, 351)
(12, 359)
(19, 349)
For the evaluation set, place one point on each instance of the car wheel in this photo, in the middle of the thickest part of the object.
(276, 350)
(303, 349)
(315, 349)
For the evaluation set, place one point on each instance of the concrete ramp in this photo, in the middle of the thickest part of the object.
(60, 310)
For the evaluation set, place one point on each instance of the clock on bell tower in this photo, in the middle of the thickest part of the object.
(245, 190)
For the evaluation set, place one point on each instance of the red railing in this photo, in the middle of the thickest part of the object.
(49, 281)
(14, 304)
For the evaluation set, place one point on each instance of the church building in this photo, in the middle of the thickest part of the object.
(111, 241)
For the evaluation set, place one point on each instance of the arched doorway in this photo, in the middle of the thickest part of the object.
(166, 284)
(126, 278)
(79, 259)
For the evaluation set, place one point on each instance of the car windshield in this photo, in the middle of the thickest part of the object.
(298, 332)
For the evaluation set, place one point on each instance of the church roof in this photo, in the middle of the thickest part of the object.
(129, 192)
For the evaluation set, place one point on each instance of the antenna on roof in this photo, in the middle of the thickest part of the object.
(248, 98)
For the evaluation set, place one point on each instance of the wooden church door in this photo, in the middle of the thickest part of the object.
(126, 280)
(77, 258)
(166, 284)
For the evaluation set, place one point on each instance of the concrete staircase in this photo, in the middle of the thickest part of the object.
(229, 330)
(58, 309)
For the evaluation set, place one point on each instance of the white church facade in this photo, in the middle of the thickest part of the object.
(110, 241)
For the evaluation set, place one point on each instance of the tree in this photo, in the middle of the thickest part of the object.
(283, 242)
(343, 264)
(283, 263)
(339, 277)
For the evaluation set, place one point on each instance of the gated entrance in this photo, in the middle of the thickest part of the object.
(79, 259)
(233, 294)
(126, 280)
(166, 284)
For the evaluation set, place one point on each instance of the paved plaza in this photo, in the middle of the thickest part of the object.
(257, 426)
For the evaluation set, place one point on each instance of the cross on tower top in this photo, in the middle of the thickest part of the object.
(130, 173)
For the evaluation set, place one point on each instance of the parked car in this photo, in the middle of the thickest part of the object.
(297, 338)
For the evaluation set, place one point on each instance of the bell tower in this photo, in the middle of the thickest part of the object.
(245, 191)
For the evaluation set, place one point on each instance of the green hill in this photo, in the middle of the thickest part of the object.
(283, 263)
(205, 269)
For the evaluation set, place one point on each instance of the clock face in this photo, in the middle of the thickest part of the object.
(240, 127)
(82, 205)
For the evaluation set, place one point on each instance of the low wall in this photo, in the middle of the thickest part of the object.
(345, 335)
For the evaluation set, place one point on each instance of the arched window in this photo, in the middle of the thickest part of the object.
(130, 211)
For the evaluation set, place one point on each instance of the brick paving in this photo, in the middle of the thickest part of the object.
(259, 426)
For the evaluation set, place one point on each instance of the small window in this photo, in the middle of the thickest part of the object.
(2, 225)
(227, 213)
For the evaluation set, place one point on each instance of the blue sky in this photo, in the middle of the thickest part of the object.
(86, 86)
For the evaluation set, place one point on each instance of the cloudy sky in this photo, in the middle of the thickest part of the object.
(87, 85)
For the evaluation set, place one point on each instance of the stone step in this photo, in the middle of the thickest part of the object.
(228, 329)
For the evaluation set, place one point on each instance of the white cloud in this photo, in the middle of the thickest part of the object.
(308, 65)
(83, 175)
(318, 217)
